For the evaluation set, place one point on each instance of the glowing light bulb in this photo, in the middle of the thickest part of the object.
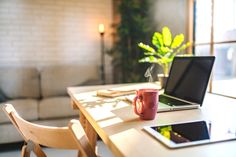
(101, 28)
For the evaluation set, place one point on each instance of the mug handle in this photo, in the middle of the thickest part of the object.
(135, 106)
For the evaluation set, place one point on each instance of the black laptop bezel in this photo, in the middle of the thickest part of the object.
(211, 58)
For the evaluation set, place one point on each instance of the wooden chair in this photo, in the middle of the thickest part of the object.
(34, 135)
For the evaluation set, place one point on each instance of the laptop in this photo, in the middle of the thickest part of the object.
(187, 83)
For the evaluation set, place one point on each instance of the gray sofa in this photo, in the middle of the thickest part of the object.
(39, 94)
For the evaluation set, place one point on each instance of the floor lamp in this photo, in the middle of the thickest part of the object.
(101, 30)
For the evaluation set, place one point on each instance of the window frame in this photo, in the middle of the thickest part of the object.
(212, 43)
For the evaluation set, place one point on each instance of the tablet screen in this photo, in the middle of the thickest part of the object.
(190, 133)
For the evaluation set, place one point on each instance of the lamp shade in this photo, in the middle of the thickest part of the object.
(101, 28)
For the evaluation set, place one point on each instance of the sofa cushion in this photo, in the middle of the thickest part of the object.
(3, 98)
(9, 134)
(55, 79)
(26, 108)
(19, 82)
(56, 107)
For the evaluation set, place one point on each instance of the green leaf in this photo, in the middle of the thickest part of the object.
(168, 55)
(149, 59)
(183, 47)
(167, 37)
(165, 60)
(146, 47)
(178, 40)
(163, 50)
(157, 39)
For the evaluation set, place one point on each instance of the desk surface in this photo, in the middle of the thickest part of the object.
(121, 129)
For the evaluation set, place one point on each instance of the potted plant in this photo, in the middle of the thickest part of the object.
(165, 49)
(133, 27)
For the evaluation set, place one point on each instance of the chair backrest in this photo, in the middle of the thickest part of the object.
(69, 137)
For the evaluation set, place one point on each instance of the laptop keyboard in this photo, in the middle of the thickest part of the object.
(171, 102)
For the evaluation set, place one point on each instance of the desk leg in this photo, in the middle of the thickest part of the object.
(74, 106)
(89, 130)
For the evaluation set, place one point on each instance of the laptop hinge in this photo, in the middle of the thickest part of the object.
(193, 103)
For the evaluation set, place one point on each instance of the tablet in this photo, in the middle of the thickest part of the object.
(190, 133)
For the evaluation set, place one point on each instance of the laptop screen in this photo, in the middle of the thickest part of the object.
(188, 78)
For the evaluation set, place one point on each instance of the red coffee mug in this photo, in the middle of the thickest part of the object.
(145, 103)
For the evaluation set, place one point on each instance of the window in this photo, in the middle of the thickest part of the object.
(215, 34)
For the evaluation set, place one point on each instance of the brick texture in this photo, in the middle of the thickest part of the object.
(44, 32)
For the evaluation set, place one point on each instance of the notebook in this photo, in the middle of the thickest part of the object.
(112, 93)
(187, 83)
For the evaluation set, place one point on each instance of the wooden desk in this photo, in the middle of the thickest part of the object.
(121, 130)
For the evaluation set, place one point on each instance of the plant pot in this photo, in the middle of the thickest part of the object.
(162, 79)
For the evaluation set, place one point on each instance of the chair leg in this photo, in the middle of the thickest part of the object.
(31, 146)
(25, 152)
(38, 151)
(79, 154)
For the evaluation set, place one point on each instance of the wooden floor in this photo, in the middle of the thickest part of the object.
(13, 150)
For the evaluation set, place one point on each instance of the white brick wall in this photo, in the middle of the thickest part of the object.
(42, 32)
